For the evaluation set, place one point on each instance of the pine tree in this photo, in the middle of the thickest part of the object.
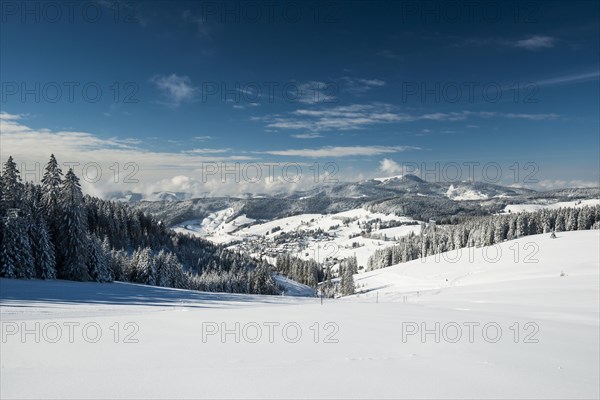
(500, 230)
(12, 188)
(146, 267)
(2, 207)
(571, 219)
(16, 260)
(353, 264)
(560, 224)
(347, 282)
(262, 281)
(73, 238)
(97, 263)
(118, 262)
(162, 269)
(585, 219)
(522, 225)
(51, 186)
(43, 250)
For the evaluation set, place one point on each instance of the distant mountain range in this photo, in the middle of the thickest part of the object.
(406, 195)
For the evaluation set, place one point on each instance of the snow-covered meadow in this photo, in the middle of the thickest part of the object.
(521, 324)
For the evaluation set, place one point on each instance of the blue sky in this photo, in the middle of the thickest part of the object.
(371, 87)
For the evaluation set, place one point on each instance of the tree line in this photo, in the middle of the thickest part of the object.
(311, 273)
(484, 231)
(51, 230)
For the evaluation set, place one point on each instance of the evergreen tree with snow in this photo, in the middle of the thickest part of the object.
(353, 264)
(262, 281)
(559, 224)
(2, 207)
(72, 243)
(16, 259)
(347, 282)
(162, 268)
(585, 219)
(42, 249)
(146, 267)
(521, 225)
(12, 188)
(118, 262)
(97, 262)
(51, 186)
(571, 219)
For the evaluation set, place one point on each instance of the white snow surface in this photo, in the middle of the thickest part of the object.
(385, 179)
(454, 194)
(530, 207)
(366, 357)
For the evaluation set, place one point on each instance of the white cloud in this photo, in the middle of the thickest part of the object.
(388, 166)
(307, 136)
(313, 92)
(175, 88)
(535, 42)
(531, 117)
(356, 116)
(372, 82)
(359, 85)
(391, 55)
(574, 78)
(361, 116)
(341, 151)
(9, 117)
(208, 151)
(548, 184)
(125, 166)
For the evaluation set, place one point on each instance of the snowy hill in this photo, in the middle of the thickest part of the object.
(530, 207)
(341, 235)
(366, 346)
(534, 260)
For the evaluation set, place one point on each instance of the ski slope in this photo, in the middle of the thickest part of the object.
(366, 347)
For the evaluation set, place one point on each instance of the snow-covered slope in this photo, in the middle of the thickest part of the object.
(532, 260)
(366, 345)
(293, 288)
(530, 207)
(217, 226)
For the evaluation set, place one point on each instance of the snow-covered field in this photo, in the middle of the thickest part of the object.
(527, 330)
(536, 207)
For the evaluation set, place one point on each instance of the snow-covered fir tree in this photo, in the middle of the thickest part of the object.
(51, 186)
(42, 249)
(97, 261)
(347, 281)
(16, 255)
(73, 235)
(12, 188)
